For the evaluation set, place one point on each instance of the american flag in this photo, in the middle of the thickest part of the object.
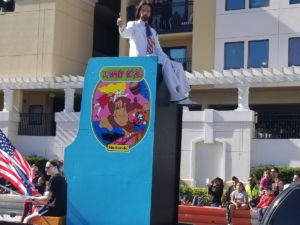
(13, 167)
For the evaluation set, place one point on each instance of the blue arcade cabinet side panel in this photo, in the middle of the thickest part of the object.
(109, 165)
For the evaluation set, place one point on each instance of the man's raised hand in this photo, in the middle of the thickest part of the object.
(120, 22)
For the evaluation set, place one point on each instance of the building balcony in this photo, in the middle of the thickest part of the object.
(37, 124)
(169, 17)
(186, 63)
(277, 126)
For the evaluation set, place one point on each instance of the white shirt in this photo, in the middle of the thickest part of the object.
(136, 32)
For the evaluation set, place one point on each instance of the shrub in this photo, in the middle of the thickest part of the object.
(285, 173)
(186, 190)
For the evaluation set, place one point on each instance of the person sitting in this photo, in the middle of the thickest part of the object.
(280, 187)
(265, 201)
(253, 192)
(143, 41)
(226, 199)
(239, 198)
(265, 181)
(35, 174)
(54, 202)
(215, 190)
(275, 181)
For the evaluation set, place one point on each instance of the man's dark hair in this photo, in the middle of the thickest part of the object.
(55, 163)
(234, 178)
(139, 7)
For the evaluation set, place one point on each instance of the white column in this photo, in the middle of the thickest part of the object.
(69, 100)
(8, 100)
(243, 98)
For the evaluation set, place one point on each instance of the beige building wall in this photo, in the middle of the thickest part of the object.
(204, 19)
(46, 38)
(279, 95)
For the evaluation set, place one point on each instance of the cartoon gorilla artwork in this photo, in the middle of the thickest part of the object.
(120, 124)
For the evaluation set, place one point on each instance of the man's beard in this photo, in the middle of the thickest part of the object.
(145, 18)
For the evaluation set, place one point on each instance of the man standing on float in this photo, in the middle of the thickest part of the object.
(143, 41)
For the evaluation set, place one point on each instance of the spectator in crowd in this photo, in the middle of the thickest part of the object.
(253, 192)
(296, 178)
(280, 186)
(275, 181)
(186, 200)
(215, 190)
(265, 201)
(198, 201)
(35, 174)
(54, 202)
(41, 185)
(265, 181)
(231, 188)
(239, 198)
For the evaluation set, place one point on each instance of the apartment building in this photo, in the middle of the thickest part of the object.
(244, 58)
(45, 46)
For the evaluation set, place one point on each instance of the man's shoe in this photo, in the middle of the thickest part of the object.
(187, 102)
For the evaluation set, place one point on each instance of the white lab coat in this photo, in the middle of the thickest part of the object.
(173, 72)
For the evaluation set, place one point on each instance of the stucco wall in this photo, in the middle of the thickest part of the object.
(73, 36)
(280, 152)
(26, 39)
(46, 38)
(34, 145)
(216, 143)
(204, 18)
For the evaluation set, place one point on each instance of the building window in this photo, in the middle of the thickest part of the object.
(235, 4)
(258, 3)
(35, 114)
(175, 52)
(294, 1)
(258, 54)
(294, 51)
(234, 55)
(179, 54)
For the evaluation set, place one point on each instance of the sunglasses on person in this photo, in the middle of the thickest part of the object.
(48, 167)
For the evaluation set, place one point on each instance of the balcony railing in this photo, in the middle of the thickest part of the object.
(186, 63)
(277, 126)
(37, 124)
(169, 17)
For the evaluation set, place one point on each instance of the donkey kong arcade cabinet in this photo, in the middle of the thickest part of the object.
(123, 167)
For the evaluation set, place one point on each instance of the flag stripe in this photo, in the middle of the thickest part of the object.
(5, 168)
(13, 167)
(13, 180)
(23, 163)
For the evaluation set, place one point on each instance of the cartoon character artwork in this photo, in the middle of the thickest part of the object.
(120, 111)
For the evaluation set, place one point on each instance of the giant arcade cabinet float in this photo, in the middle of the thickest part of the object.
(123, 167)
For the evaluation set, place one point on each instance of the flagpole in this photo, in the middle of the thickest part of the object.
(14, 192)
